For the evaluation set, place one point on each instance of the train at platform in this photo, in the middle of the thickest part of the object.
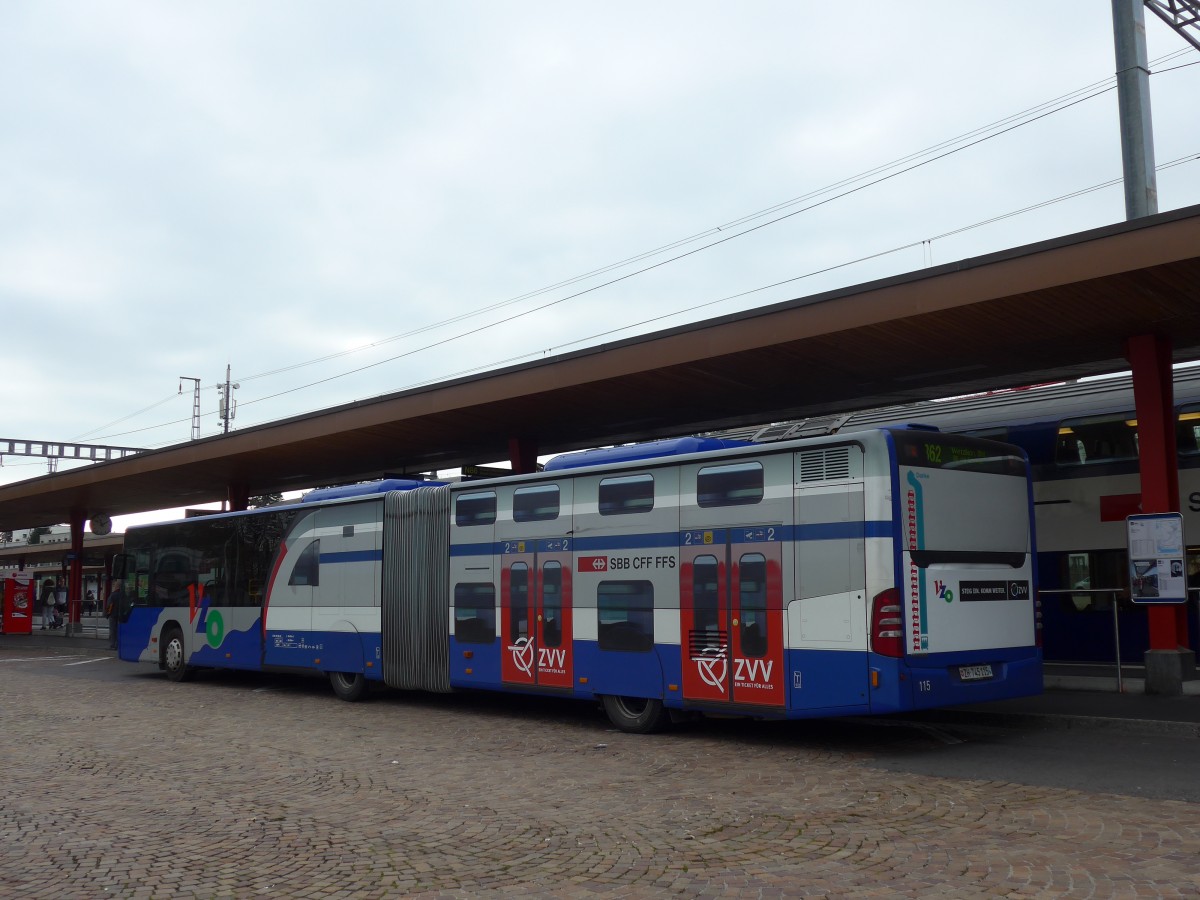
(882, 571)
(1081, 440)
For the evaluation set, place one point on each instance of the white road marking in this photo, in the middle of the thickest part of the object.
(84, 662)
(33, 658)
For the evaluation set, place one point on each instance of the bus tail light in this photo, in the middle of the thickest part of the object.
(887, 625)
(1037, 620)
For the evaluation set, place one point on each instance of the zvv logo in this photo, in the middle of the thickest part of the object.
(712, 670)
(943, 591)
(748, 670)
(522, 655)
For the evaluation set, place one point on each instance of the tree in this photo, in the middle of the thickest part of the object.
(35, 534)
(261, 500)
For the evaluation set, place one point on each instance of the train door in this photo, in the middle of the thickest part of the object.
(731, 615)
(535, 589)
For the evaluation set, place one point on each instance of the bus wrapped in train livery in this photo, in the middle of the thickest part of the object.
(884, 571)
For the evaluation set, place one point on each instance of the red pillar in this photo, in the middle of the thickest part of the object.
(522, 454)
(1153, 394)
(75, 573)
(237, 496)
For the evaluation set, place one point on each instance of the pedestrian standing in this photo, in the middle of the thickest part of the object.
(46, 602)
(112, 608)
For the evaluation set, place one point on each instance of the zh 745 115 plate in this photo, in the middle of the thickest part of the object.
(974, 673)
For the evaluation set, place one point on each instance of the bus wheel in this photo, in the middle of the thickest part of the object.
(348, 685)
(635, 715)
(172, 656)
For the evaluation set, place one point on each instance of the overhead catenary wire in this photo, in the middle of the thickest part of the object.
(918, 160)
(1063, 101)
(1191, 157)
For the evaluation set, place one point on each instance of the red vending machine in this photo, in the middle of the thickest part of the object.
(16, 603)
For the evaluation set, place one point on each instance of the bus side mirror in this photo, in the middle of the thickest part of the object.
(120, 566)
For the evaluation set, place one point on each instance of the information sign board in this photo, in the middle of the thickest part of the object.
(1157, 563)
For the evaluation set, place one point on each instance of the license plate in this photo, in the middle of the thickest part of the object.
(974, 673)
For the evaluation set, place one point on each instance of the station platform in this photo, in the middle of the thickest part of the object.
(1075, 695)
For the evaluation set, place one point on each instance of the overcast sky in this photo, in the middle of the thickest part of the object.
(300, 190)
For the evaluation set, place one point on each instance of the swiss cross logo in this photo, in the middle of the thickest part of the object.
(593, 564)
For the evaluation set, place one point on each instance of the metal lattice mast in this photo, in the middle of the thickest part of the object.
(195, 403)
(53, 451)
(1182, 15)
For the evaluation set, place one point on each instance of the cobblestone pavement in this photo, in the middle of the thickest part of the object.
(243, 786)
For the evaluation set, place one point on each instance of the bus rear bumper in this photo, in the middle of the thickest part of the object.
(955, 682)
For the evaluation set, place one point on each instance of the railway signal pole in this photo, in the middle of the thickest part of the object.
(226, 405)
(1133, 99)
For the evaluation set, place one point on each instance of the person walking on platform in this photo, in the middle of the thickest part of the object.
(112, 608)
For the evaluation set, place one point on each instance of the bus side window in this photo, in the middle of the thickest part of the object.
(308, 567)
(625, 615)
(475, 612)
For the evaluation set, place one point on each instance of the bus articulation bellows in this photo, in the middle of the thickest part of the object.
(884, 571)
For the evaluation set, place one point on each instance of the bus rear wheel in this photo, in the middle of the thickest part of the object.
(635, 715)
(349, 686)
(173, 656)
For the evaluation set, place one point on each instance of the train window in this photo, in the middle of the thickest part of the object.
(752, 603)
(535, 504)
(738, 484)
(1097, 439)
(308, 568)
(1193, 571)
(1187, 430)
(475, 613)
(625, 614)
(552, 604)
(626, 494)
(518, 601)
(1094, 579)
(475, 509)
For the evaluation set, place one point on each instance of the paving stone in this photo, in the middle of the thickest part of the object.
(243, 787)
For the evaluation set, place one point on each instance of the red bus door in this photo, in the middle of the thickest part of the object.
(731, 613)
(535, 607)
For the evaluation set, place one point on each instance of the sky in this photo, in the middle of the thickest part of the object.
(341, 201)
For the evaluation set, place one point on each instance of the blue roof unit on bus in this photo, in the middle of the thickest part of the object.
(648, 450)
(370, 487)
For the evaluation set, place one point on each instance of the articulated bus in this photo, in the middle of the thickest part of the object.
(889, 570)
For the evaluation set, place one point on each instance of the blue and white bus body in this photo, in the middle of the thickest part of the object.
(832, 526)
(320, 600)
(809, 578)
(323, 602)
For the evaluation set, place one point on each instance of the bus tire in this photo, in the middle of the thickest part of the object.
(635, 715)
(348, 686)
(173, 656)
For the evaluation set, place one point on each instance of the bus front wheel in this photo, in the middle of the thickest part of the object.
(173, 656)
(348, 685)
(635, 715)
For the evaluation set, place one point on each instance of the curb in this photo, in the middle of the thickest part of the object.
(1106, 684)
(1062, 721)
